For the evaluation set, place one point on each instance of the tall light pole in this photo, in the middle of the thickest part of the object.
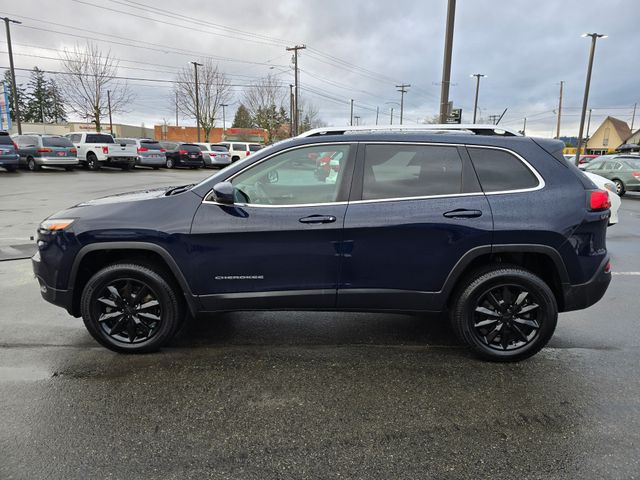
(16, 104)
(402, 89)
(475, 104)
(559, 109)
(351, 116)
(296, 107)
(195, 67)
(446, 64)
(594, 38)
(391, 103)
(109, 105)
(224, 119)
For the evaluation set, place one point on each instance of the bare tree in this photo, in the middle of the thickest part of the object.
(264, 93)
(90, 73)
(310, 117)
(213, 91)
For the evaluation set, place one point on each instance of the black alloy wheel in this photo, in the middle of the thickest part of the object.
(504, 313)
(130, 308)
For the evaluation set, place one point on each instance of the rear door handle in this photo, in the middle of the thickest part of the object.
(318, 219)
(462, 213)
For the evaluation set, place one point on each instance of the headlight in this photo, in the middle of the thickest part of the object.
(55, 224)
(610, 186)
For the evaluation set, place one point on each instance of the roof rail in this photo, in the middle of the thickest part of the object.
(477, 129)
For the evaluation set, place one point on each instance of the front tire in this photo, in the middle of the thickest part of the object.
(504, 313)
(130, 308)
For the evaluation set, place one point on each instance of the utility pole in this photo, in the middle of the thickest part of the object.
(594, 38)
(493, 118)
(524, 127)
(588, 125)
(16, 103)
(109, 105)
(378, 112)
(391, 115)
(351, 121)
(296, 104)
(475, 104)
(176, 109)
(357, 119)
(559, 109)
(291, 110)
(195, 67)
(446, 64)
(633, 117)
(224, 119)
(402, 89)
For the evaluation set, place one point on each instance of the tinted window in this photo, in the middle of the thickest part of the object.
(607, 165)
(150, 144)
(254, 147)
(56, 142)
(189, 147)
(169, 145)
(633, 164)
(5, 140)
(98, 138)
(218, 148)
(75, 137)
(593, 166)
(126, 141)
(203, 148)
(397, 171)
(499, 170)
(239, 146)
(291, 178)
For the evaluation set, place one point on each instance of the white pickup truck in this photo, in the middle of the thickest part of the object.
(97, 149)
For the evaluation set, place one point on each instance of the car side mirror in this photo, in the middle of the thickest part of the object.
(224, 192)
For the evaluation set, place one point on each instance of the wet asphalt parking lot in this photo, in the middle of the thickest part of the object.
(306, 395)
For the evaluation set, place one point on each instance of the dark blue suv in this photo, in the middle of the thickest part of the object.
(497, 230)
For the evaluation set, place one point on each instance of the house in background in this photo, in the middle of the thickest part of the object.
(611, 133)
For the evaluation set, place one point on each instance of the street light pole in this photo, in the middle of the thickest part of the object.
(195, 67)
(351, 121)
(16, 104)
(475, 104)
(446, 64)
(109, 105)
(391, 115)
(594, 38)
(224, 119)
(296, 104)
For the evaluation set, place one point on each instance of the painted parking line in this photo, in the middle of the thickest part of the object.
(633, 274)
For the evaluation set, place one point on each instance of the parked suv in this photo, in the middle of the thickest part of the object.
(150, 152)
(240, 150)
(183, 155)
(497, 230)
(38, 150)
(9, 157)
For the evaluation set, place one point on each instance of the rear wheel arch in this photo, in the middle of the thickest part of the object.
(92, 258)
(541, 260)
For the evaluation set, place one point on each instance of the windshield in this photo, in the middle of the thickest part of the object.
(150, 144)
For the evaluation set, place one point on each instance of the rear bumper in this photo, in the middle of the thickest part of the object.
(151, 162)
(578, 297)
(9, 160)
(65, 161)
(121, 160)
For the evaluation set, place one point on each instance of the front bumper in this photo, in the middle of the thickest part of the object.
(578, 297)
(61, 298)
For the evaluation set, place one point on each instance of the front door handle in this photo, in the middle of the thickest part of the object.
(462, 213)
(318, 219)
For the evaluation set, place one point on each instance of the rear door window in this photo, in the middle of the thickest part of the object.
(404, 171)
(501, 171)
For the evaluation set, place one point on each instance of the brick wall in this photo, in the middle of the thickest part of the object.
(190, 134)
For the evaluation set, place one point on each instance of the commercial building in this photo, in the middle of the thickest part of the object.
(190, 134)
(119, 130)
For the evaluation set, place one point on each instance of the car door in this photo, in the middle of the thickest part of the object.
(415, 210)
(279, 245)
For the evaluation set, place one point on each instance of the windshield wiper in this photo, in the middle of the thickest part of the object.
(177, 190)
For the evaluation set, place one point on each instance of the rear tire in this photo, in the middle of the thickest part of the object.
(620, 188)
(32, 165)
(130, 308)
(92, 162)
(504, 313)
(69, 169)
(11, 169)
(126, 167)
(170, 163)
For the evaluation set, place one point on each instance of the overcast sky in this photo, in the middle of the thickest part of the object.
(358, 49)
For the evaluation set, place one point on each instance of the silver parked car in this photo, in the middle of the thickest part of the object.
(38, 150)
(214, 155)
(150, 152)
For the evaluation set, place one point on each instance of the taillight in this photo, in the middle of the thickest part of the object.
(163, 150)
(105, 150)
(248, 152)
(635, 174)
(44, 150)
(599, 200)
(183, 152)
(73, 150)
(142, 149)
(607, 267)
(15, 145)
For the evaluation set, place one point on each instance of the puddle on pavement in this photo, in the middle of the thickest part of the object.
(23, 374)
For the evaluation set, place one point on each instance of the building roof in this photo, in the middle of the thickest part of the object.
(621, 127)
(635, 135)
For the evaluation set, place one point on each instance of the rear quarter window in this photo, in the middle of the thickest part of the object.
(254, 148)
(500, 171)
